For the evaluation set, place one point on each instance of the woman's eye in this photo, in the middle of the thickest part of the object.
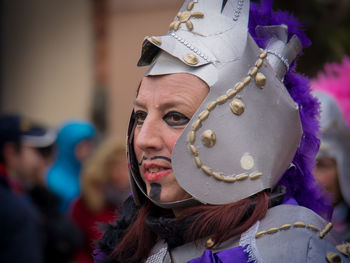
(174, 118)
(140, 117)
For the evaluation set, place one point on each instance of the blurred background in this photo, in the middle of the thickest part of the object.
(62, 59)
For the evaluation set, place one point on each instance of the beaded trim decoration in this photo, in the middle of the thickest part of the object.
(237, 12)
(185, 16)
(190, 46)
(298, 224)
(231, 93)
(283, 59)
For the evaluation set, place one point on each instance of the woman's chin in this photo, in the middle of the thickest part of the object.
(164, 196)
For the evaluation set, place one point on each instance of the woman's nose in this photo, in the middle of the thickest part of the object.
(148, 136)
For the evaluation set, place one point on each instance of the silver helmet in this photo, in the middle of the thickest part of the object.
(244, 135)
(335, 140)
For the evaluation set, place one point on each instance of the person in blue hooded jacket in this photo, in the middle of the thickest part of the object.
(75, 141)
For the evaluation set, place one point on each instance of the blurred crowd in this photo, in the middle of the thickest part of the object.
(57, 188)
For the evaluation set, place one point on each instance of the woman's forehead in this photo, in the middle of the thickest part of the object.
(172, 88)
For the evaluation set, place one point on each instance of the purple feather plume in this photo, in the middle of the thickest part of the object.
(299, 180)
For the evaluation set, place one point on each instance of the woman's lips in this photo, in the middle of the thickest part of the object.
(155, 173)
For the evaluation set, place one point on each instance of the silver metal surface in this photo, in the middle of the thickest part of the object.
(268, 131)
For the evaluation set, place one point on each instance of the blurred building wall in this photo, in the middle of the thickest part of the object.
(47, 62)
(128, 25)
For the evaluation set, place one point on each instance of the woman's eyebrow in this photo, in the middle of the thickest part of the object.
(139, 104)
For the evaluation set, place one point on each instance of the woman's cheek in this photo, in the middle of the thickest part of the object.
(172, 140)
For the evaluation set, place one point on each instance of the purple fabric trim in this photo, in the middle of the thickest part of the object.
(234, 255)
(298, 180)
(290, 201)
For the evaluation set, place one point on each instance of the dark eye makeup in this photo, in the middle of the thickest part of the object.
(140, 117)
(172, 118)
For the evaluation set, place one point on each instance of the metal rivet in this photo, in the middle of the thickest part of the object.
(260, 80)
(237, 106)
(247, 162)
(208, 138)
(333, 257)
(191, 59)
(156, 40)
(192, 137)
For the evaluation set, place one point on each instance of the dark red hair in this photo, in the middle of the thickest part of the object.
(218, 222)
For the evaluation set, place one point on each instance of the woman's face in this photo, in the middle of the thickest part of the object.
(163, 107)
(326, 172)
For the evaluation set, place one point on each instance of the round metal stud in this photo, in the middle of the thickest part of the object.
(260, 80)
(237, 106)
(247, 162)
(208, 138)
(191, 59)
